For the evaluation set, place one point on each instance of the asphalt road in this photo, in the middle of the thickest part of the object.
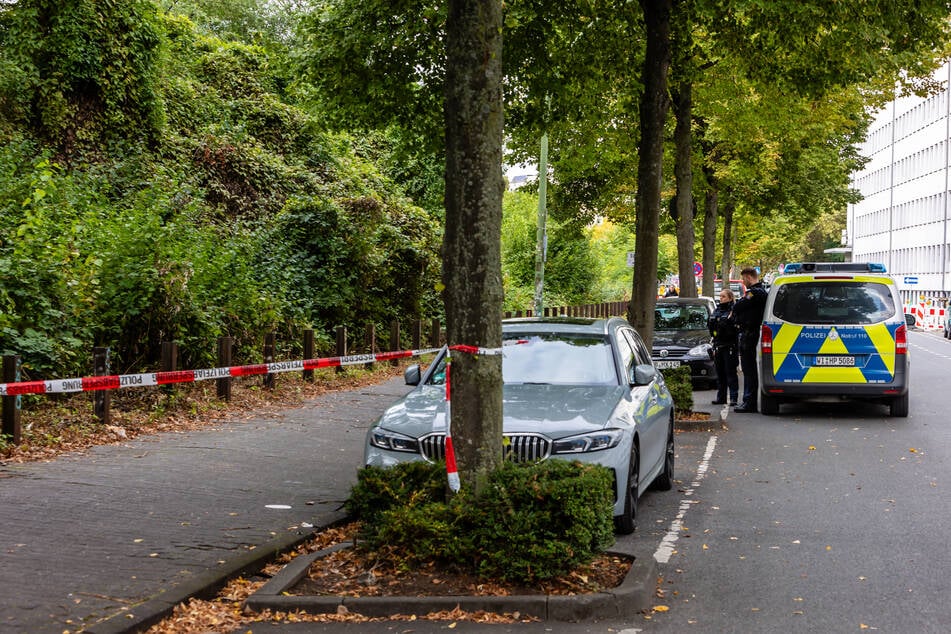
(91, 536)
(829, 518)
(822, 519)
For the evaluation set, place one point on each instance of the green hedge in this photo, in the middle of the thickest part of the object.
(533, 522)
(680, 386)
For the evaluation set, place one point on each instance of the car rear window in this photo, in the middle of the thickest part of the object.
(558, 359)
(842, 302)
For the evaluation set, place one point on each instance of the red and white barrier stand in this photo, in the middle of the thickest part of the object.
(927, 315)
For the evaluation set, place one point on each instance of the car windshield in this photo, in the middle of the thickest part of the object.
(551, 359)
(838, 302)
(558, 359)
(680, 317)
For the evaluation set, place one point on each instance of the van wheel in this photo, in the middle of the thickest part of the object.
(899, 406)
(768, 405)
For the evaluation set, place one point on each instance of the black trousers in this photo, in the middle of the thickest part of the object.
(726, 360)
(747, 345)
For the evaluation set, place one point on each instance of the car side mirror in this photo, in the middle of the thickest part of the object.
(910, 319)
(411, 375)
(644, 374)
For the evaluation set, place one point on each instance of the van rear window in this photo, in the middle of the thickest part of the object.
(834, 302)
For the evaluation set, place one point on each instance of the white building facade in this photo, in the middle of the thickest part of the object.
(903, 219)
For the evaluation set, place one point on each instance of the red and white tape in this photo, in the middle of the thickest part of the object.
(117, 381)
(452, 472)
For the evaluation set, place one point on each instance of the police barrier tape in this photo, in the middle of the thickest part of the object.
(117, 381)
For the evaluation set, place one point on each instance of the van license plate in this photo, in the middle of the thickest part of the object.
(835, 361)
(666, 365)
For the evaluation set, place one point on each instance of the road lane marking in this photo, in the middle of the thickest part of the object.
(929, 349)
(666, 548)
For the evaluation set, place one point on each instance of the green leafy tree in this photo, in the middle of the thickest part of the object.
(218, 230)
(838, 59)
(81, 74)
(571, 269)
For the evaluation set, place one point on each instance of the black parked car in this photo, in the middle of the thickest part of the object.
(681, 337)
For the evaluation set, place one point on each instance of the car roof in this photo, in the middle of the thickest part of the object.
(685, 300)
(563, 324)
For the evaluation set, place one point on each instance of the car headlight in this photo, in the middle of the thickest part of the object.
(595, 441)
(703, 351)
(392, 441)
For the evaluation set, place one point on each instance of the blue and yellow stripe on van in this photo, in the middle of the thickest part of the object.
(795, 347)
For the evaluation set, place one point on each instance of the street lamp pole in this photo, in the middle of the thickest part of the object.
(541, 237)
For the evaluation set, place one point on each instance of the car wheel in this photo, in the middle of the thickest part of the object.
(899, 406)
(626, 523)
(768, 405)
(665, 481)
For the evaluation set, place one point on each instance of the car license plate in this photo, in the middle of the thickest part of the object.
(830, 360)
(666, 365)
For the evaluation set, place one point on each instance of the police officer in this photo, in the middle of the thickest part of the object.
(748, 313)
(722, 328)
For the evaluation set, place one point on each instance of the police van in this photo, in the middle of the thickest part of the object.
(832, 332)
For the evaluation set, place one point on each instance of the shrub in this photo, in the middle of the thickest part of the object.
(533, 522)
(541, 521)
(407, 484)
(680, 386)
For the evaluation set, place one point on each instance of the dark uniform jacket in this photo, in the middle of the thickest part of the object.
(748, 312)
(722, 325)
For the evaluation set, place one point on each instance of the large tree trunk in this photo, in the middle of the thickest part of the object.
(683, 173)
(472, 269)
(726, 264)
(710, 234)
(653, 112)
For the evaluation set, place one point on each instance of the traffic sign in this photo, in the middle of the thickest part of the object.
(697, 268)
(911, 279)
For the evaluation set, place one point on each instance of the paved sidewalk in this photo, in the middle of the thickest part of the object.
(125, 529)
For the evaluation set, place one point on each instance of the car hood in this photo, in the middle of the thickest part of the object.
(554, 410)
(685, 338)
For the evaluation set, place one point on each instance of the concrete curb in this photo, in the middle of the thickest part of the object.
(632, 596)
(140, 617)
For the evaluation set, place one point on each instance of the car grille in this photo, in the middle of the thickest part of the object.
(672, 353)
(520, 447)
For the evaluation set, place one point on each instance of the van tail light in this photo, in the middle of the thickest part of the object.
(901, 340)
(766, 340)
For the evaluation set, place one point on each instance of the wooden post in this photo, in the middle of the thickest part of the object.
(308, 375)
(394, 339)
(417, 334)
(371, 344)
(434, 333)
(11, 404)
(225, 345)
(341, 345)
(169, 362)
(269, 358)
(102, 398)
